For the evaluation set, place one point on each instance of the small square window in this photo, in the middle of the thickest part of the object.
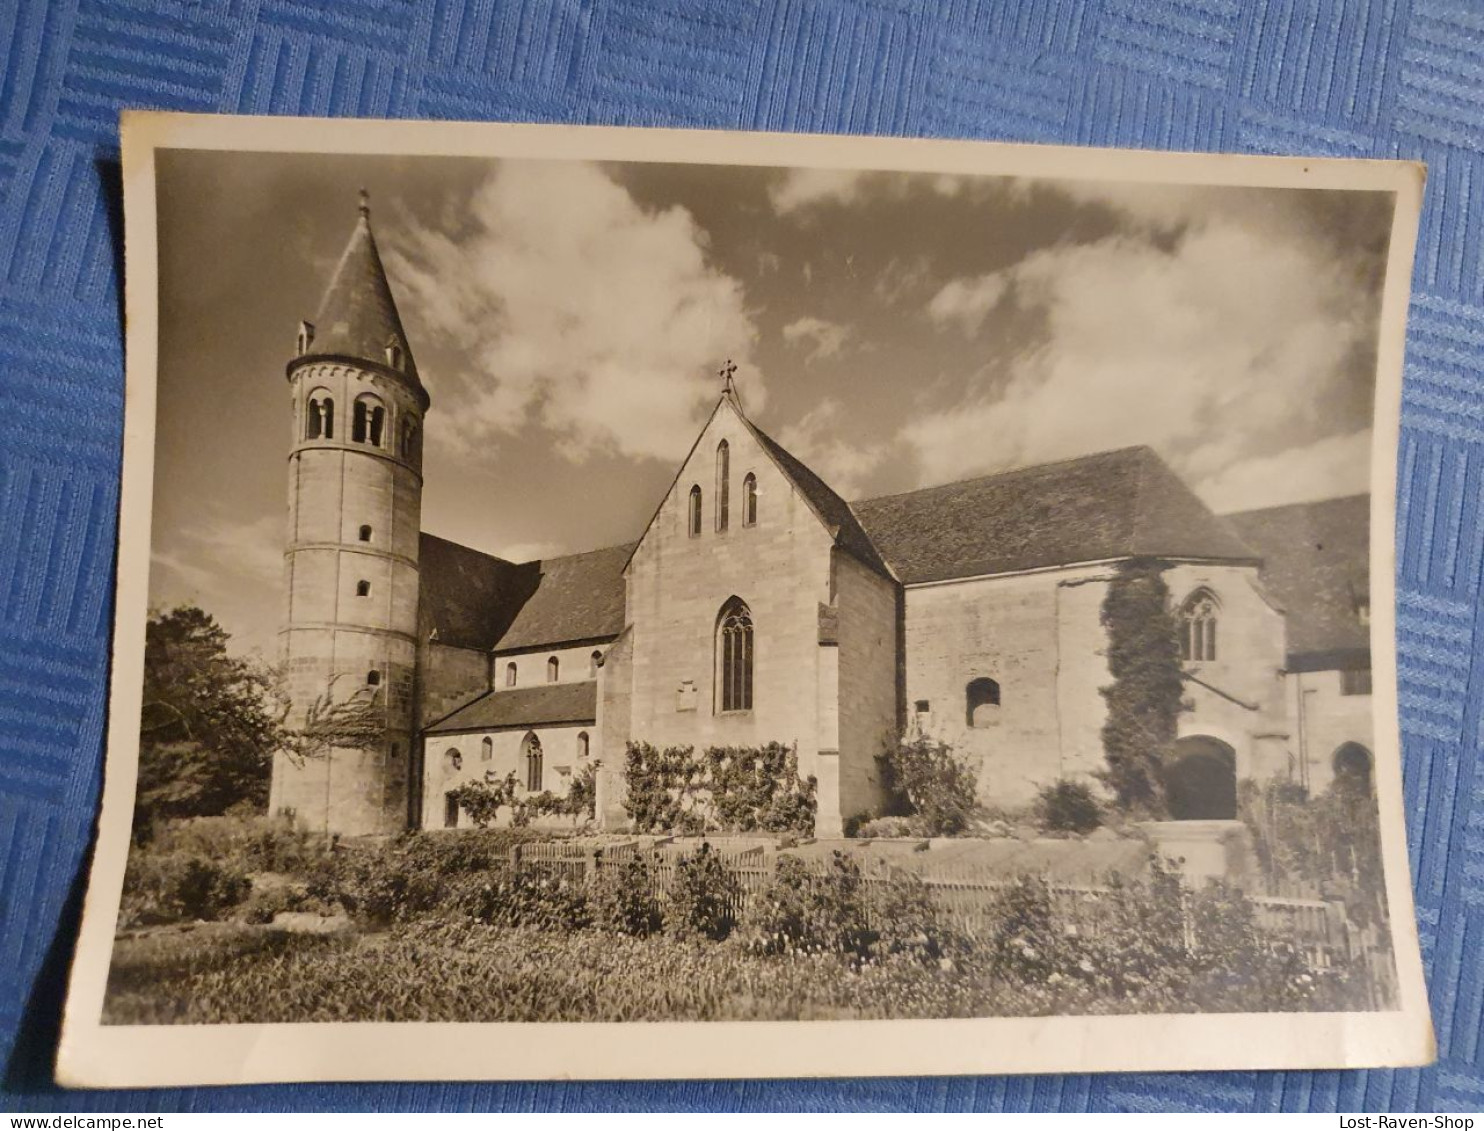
(921, 706)
(365, 534)
(363, 589)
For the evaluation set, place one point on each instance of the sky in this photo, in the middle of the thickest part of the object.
(893, 330)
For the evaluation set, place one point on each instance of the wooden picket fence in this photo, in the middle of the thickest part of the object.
(968, 897)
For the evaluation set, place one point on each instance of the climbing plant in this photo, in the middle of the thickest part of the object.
(1145, 698)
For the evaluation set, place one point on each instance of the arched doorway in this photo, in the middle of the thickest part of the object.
(1201, 780)
(1352, 765)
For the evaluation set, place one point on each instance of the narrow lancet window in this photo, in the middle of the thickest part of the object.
(723, 484)
(749, 500)
(695, 512)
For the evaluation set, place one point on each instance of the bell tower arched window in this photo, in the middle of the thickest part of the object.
(409, 435)
(749, 500)
(305, 338)
(394, 354)
(1198, 618)
(320, 418)
(369, 421)
(723, 485)
(694, 514)
(734, 656)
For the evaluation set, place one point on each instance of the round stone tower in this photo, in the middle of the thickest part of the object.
(351, 560)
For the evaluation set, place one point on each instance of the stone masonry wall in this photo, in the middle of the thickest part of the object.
(677, 585)
(1325, 718)
(868, 695)
(445, 771)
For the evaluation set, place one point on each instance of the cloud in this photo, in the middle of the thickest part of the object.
(826, 338)
(819, 439)
(968, 302)
(232, 569)
(801, 188)
(1226, 342)
(1326, 469)
(576, 311)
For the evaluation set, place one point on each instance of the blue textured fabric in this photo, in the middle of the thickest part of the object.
(1386, 79)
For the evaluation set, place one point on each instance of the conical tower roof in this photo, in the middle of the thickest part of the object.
(357, 318)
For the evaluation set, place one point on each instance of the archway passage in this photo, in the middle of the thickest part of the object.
(1352, 765)
(1201, 780)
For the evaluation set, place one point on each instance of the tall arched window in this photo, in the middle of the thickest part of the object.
(1198, 627)
(582, 744)
(487, 749)
(510, 674)
(368, 421)
(693, 521)
(593, 662)
(982, 702)
(749, 500)
(723, 484)
(734, 657)
(553, 669)
(530, 749)
(320, 421)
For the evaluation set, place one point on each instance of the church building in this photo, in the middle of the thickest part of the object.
(757, 605)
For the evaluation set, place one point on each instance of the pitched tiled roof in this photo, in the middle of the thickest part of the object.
(467, 597)
(1118, 504)
(1316, 564)
(834, 511)
(476, 600)
(550, 704)
(577, 597)
(358, 317)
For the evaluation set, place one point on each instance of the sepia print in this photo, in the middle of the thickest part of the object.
(617, 577)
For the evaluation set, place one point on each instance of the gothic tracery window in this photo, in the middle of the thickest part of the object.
(530, 747)
(734, 657)
(1198, 618)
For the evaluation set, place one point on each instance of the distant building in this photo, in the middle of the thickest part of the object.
(758, 606)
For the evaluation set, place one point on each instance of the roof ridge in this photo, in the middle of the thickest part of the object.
(1008, 473)
(1351, 497)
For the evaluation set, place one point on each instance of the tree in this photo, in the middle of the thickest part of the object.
(1145, 698)
(207, 728)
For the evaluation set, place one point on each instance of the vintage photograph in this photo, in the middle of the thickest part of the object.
(674, 590)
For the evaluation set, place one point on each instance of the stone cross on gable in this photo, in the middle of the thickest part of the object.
(726, 372)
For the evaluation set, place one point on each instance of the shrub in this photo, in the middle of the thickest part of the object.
(884, 827)
(171, 887)
(263, 904)
(249, 844)
(582, 794)
(704, 897)
(908, 923)
(1330, 844)
(801, 911)
(930, 783)
(759, 789)
(1068, 806)
(623, 899)
(728, 789)
(537, 898)
(662, 785)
